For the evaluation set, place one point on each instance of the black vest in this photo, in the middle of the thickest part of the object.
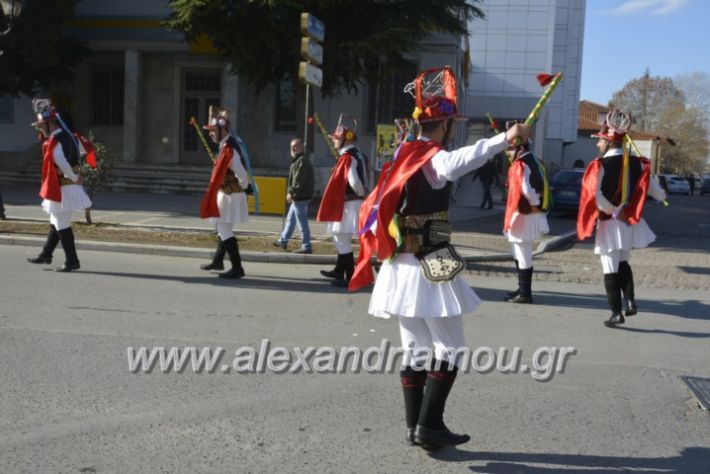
(611, 182)
(350, 194)
(420, 198)
(537, 181)
(69, 147)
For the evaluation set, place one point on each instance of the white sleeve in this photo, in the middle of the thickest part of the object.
(655, 189)
(238, 168)
(354, 179)
(451, 165)
(603, 203)
(62, 163)
(527, 189)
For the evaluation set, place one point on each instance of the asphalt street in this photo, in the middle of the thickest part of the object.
(70, 404)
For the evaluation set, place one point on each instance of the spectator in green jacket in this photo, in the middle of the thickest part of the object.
(300, 192)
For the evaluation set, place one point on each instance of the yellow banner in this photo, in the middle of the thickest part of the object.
(386, 144)
(272, 195)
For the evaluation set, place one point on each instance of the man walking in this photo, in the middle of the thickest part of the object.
(614, 189)
(342, 198)
(488, 175)
(300, 192)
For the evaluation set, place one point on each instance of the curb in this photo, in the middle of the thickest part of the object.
(261, 257)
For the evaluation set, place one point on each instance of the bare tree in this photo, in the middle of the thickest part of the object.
(646, 98)
(687, 128)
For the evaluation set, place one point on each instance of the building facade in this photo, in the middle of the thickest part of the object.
(141, 85)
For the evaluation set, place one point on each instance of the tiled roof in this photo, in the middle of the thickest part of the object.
(589, 120)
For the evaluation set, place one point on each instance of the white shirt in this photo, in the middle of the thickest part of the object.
(353, 178)
(451, 165)
(236, 164)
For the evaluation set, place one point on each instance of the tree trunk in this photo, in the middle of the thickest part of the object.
(87, 215)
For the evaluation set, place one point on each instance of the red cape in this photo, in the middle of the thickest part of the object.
(50, 189)
(412, 156)
(588, 213)
(89, 149)
(516, 174)
(208, 206)
(333, 201)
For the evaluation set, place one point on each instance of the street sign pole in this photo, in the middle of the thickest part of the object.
(309, 73)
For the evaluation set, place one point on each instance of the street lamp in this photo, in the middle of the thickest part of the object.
(11, 9)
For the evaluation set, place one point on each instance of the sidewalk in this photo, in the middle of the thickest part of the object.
(477, 231)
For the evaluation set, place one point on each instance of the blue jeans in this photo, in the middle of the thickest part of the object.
(297, 214)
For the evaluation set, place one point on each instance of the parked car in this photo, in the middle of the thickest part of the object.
(565, 186)
(674, 184)
(705, 187)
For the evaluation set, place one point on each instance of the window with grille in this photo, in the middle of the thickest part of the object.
(6, 108)
(391, 102)
(107, 95)
(285, 107)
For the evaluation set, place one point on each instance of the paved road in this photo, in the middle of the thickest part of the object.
(680, 257)
(69, 403)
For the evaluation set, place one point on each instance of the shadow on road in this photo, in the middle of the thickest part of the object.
(693, 459)
(251, 282)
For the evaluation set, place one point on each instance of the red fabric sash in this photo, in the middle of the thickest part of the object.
(412, 156)
(50, 189)
(516, 174)
(634, 208)
(333, 201)
(208, 206)
(89, 149)
(587, 213)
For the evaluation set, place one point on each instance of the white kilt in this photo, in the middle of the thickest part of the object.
(527, 227)
(348, 224)
(233, 208)
(613, 234)
(74, 198)
(401, 289)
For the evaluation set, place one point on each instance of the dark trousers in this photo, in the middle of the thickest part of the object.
(487, 198)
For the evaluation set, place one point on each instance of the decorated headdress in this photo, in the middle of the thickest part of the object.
(405, 130)
(615, 127)
(346, 129)
(434, 91)
(44, 111)
(218, 118)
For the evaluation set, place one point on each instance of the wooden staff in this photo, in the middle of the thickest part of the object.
(327, 139)
(193, 122)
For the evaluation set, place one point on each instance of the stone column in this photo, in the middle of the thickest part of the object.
(230, 95)
(132, 106)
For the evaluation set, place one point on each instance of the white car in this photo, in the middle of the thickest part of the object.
(674, 184)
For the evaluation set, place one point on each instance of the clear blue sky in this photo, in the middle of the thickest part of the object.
(624, 37)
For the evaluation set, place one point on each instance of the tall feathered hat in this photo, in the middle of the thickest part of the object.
(44, 111)
(218, 118)
(346, 129)
(615, 127)
(434, 91)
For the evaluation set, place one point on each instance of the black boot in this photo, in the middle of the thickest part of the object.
(512, 294)
(413, 389)
(72, 260)
(525, 287)
(48, 250)
(613, 294)
(232, 248)
(338, 273)
(217, 259)
(626, 278)
(348, 270)
(431, 432)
